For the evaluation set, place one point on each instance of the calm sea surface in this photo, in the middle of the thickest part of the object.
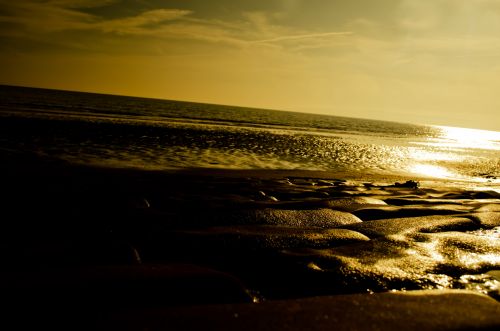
(120, 131)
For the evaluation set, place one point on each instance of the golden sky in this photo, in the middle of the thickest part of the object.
(420, 61)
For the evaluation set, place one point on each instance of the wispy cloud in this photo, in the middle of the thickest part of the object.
(37, 19)
(304, 36)
(141, 23)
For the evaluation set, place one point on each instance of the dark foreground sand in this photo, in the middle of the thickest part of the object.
(197, 249)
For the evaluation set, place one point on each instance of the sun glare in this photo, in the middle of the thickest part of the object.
(469, 138)
(432, 171)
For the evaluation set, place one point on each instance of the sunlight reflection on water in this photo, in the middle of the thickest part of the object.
(447, 155)
(452, 137)
(432, 171)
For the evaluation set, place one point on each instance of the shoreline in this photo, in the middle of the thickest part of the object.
(38, 167)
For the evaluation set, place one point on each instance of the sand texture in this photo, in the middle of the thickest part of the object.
(197, 249)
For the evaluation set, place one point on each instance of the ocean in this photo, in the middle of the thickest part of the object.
(132, 132)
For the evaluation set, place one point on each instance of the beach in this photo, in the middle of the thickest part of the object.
(130, 248)
(116, 219)
(250, 165)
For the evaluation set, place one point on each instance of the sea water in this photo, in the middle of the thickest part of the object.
(120, 131)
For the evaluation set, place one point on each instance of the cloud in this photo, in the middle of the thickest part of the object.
(36, 17)
(421, 28)
(304, 36)
(56, 21)
(141, 23)
(77, 3)
(449, 17)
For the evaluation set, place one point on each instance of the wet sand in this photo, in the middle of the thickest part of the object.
(199, 248)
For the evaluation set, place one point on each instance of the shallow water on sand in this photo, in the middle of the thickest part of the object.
(156, 134)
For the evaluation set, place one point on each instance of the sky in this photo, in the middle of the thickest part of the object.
(417, 61)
